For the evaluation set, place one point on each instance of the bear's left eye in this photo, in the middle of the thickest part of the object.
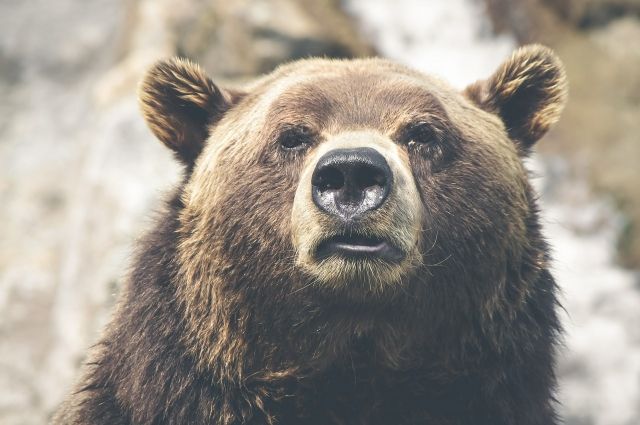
(420, 133)
(295, 138)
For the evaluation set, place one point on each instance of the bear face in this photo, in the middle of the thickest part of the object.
(455, 191)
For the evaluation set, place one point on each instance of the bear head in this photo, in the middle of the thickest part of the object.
(353, 196)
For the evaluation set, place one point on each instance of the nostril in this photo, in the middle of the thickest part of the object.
(366, 176)
(329, 178)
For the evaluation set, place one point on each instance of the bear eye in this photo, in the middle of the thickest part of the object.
(295, 138)
(420, 133)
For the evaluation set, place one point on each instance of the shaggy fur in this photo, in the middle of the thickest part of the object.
(226, 320)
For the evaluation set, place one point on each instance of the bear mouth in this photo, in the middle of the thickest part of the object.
(357, 247)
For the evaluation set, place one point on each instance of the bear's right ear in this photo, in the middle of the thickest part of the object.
(179, 103)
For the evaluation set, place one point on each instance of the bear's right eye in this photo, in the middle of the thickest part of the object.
(295, 138)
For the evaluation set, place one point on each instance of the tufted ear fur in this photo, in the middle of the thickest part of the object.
(528, 92)
(179, 103)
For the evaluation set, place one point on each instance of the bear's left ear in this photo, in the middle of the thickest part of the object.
(180, 103)
(528, 92)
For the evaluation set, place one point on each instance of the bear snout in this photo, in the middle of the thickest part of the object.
(349, 183)
(357, 214)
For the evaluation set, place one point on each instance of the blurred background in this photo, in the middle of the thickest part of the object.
(80, 174)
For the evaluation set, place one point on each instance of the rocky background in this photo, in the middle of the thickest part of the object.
(80, 173)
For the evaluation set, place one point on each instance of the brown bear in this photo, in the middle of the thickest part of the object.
(354, 242)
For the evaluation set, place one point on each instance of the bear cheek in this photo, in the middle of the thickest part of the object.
(235, 198)
(472, 216)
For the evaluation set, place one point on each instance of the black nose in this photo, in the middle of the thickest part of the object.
(350, 182)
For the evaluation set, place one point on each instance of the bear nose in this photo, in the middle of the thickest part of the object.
(348, 183)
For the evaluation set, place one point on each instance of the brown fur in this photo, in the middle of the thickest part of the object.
(225, 320)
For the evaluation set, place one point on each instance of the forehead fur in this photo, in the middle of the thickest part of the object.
(357, 93)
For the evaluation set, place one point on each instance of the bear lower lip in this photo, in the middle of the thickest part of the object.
(358, 247)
